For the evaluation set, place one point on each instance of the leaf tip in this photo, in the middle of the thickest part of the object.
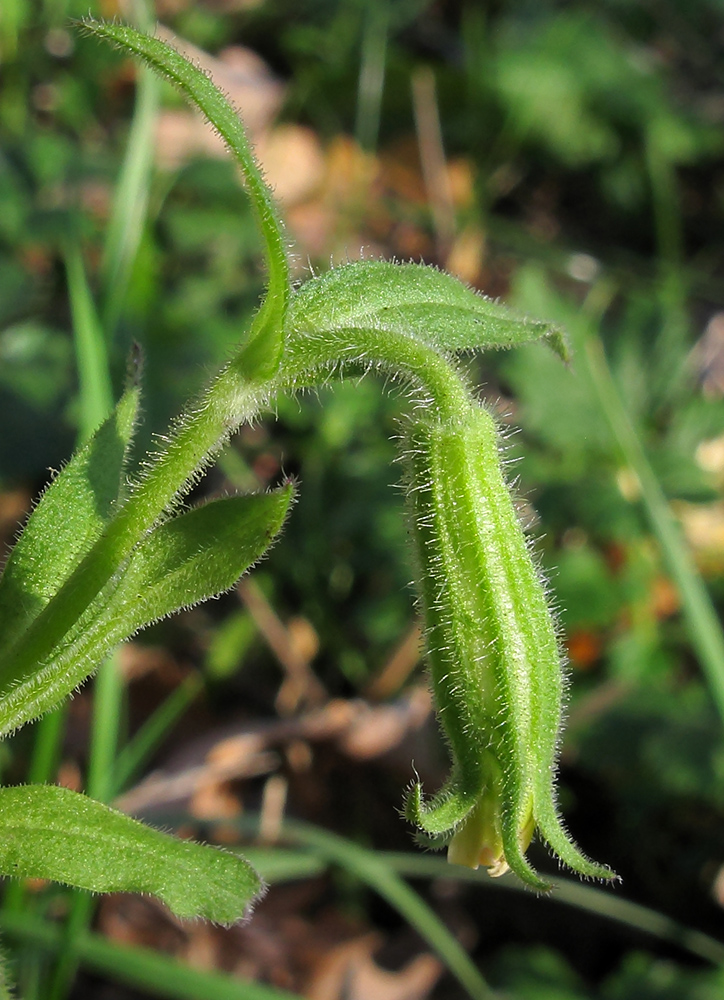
(557, 340)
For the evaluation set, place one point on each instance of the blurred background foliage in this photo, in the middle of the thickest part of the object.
(566, 156)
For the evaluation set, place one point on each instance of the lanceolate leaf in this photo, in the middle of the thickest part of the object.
(260, 356)
(51, 832)
(194, 556)
(68, 520)
(419, 301)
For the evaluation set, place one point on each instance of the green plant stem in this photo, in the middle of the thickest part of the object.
(356, 348)
(130, 201)
(6, 984)
(95, 403)
(96, 399)
(671, 285)
(705, 631)
(79, 917)
(107, 698)
(227, 403)
(278, 865)
(230, 400)
(46, 748)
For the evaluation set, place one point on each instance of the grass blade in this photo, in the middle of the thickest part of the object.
(372, 869)
(139, 967)
(96, 394)
(583, 897)
(137, 751)
(130, 203)
(704, 628)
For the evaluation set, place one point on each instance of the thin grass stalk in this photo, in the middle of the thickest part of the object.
(371, 81)
(149, 737)
(371, 869)
(130, 204)
(703, 625)
(139, 967)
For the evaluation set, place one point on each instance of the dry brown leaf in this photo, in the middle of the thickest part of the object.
(136, 661)
(300, 684)
(361, 731)
(273, 804)
(202, 951)
(467, 254)
(708, 356)
(214, 800)
(378, 730)
(293, 162)
(710, 457)
(398, 667)
(13, 506)
(303, 637)
(703, 526)
(461, 179)
(349, 972)
(69, 776)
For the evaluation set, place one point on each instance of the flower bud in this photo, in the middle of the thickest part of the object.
(493, 653)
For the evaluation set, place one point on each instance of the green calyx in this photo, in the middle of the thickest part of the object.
(493, 654)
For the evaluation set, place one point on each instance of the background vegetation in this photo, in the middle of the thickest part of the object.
(564, 156)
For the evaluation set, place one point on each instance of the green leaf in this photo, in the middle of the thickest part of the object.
(422, 302)
(196, 555)
(53, 833)
(259, 358)
(66, 522)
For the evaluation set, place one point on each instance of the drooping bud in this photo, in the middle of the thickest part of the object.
(494, 659)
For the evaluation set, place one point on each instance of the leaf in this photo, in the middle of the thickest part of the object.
(188, 559)
(66, 522)
(54, 833)
(422, 302)
(259, 357)
(197, 555)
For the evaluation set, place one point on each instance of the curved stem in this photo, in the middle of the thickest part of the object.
(424, 367)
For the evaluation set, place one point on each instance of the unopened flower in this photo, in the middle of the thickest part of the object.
(493, 653)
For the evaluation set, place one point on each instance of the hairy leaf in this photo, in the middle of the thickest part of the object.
(259, 358)
(196, 555)
(66, 522)
(415, 300)
(50, 832)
